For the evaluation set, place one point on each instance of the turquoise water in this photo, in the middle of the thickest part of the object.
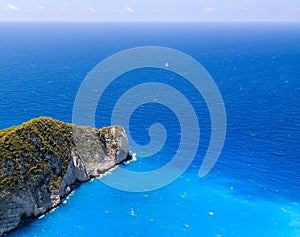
(187, 207)
(254, 189)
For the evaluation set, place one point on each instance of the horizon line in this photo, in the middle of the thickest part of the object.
(148, 21)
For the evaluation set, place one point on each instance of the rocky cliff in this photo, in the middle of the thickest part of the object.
(42, 158)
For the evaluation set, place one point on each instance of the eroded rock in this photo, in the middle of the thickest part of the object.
(41, 159)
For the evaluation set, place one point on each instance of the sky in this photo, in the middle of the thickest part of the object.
(150, 10)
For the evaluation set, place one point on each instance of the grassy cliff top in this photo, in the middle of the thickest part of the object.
(36, 154)
(36, 149)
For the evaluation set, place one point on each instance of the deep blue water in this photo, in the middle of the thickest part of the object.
(254, 189)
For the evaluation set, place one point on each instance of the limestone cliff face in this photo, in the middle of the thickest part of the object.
(42, 158)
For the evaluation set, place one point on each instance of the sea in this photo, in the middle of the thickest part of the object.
(253, 190)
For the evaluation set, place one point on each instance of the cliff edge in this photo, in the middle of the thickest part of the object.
(42, 158)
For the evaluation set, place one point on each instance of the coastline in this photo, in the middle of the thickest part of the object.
(44, 159)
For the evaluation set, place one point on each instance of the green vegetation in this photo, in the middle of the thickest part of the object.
(34, 154)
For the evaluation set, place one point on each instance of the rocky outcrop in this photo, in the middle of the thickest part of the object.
(41, 159)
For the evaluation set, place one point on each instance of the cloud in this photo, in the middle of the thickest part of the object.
(159, 11)
(209, 9)
(244, 8)
(40, 8)
(92, 10)
(129, 9)
(10, 7)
